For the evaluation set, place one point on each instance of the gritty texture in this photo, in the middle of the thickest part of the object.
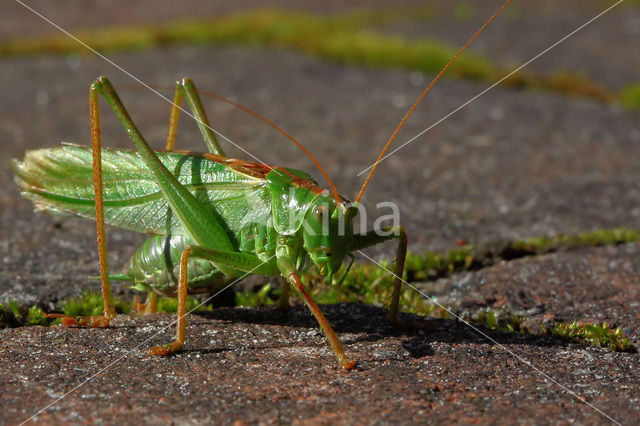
(254, 365)
(513, 164)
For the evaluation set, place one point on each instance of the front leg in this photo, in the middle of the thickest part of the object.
(286, 265)
(331, 335)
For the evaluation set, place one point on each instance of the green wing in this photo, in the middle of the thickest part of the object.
(60, 181)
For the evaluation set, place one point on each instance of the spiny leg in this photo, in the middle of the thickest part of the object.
(173, 119)
(108, 311)
(333, 339)
(186, 88)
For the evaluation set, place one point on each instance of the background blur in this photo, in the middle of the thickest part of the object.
(550, 151)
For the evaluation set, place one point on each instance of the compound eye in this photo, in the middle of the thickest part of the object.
(320, 212)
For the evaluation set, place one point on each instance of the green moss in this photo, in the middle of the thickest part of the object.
(265, 296)
(255, 27)
(570, 83)
(344, 38)
(170, 305)
(365, 283)
(599, 237)
(7, 318)
(432, 265)
(498, 319)
(369, 284)
(630, 96)
(600, 335)
(91, 304)
(35, 316)
(15, 315)
(14, 307)
(593, 334)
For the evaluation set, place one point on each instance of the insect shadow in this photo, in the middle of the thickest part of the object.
(370, 324)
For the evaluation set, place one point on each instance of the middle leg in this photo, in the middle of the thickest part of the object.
(233, 260)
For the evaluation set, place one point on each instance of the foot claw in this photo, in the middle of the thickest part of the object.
(348, 364)
(69, 321)
(159, 350)
(165, 350)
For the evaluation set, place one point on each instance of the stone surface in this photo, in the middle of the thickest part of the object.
(255, 366)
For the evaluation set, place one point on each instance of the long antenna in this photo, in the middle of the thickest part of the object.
(413, 107)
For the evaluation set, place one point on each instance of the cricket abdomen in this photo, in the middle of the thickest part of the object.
(156, 266)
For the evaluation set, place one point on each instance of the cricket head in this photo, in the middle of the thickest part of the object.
(327, 233)
(321, 219)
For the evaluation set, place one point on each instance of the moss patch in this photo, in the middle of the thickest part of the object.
(498, 319)
(90, 304)
(15, 315)
(170, 305)
(343, 38)
(541, 245)
(592, 334)
(601, 335)
(266, 295)
(630, 96)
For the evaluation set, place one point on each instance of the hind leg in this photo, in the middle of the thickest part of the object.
(109, 311)
(186, 88)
